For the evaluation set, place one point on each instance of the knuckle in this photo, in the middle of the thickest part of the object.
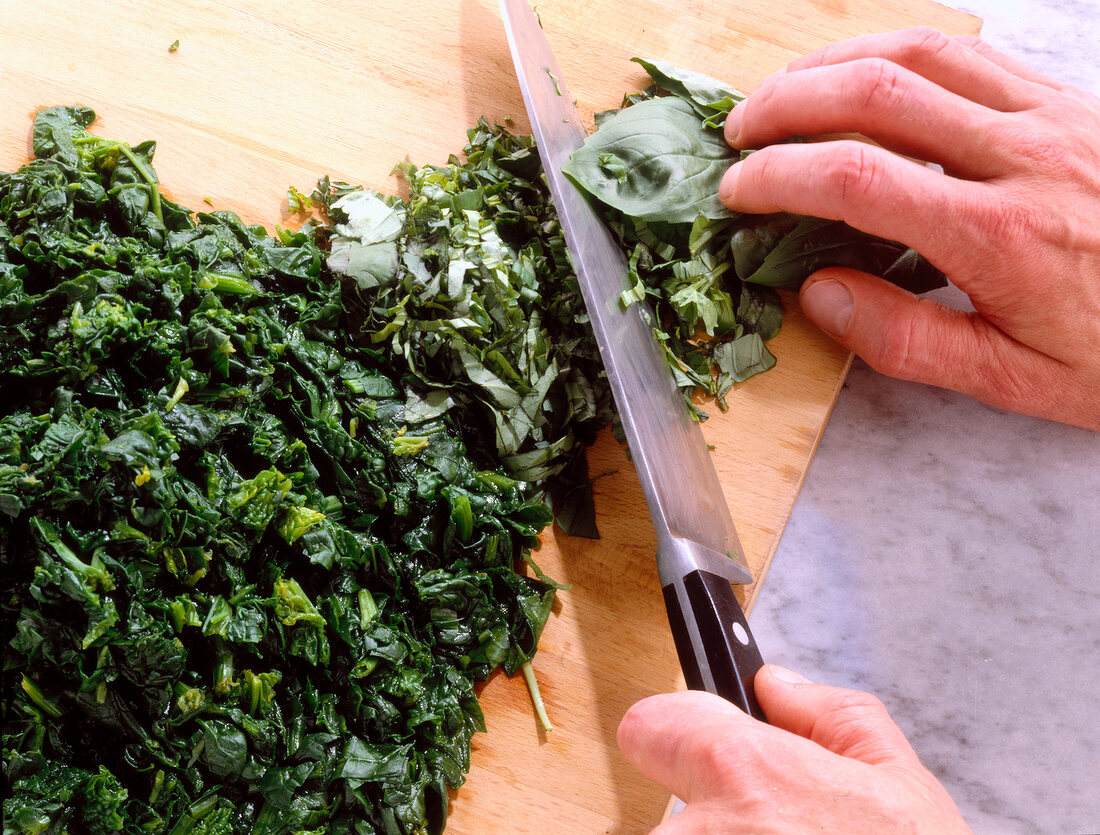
(878, 86)
(969, 41)
(1009, 376)
(895, 352)
(758, 797)
(721, 755)
(1001, 215)
(854, 173)
(765, 93)
(758, 108)
(982, 48)
(1042, 150)
(856, 704)
(922, 42)
(712, 759)
(741, 769)
(1050, 139)
(710, 770)
(1008, 382)
(820, 57)
(849, 712)
(1014, 218)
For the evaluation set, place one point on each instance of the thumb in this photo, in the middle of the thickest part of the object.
(847, 722)
(672, 738)
(915, 338)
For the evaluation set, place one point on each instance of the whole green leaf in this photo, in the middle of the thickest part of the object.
(673, 165)
(699, 267)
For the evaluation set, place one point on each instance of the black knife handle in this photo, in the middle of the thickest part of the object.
(717, 651)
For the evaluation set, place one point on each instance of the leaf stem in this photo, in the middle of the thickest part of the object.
(536, 696)
(37, 696)
(150, 178)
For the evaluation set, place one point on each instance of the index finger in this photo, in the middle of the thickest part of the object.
(879, 99)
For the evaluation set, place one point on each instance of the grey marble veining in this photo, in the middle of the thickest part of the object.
(945, 555)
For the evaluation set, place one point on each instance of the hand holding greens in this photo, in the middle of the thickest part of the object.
(654, 167)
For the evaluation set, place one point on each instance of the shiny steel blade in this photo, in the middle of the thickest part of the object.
(681, 488)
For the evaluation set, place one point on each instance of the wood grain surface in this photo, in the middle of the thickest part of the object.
(263, 95)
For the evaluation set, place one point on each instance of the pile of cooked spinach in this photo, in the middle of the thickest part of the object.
(246, 585)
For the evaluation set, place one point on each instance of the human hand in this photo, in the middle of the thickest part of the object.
(1012, 219)
(831, 760)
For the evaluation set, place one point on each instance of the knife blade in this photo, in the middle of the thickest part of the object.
(698, 552)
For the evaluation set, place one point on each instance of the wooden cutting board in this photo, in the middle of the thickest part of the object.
(263, 95)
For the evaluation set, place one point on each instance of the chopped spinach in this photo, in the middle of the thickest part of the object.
(249, 581)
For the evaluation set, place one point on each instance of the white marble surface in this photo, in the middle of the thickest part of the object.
(946, 556)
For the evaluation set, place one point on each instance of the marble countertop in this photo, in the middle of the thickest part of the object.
(943, 555)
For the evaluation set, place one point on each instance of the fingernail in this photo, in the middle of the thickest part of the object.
(829, 305)
(732, 128)
(788, 676)
(729, 183)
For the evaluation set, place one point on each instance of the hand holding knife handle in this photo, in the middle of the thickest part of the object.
(716, 648)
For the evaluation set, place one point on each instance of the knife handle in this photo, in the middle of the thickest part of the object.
(717, 651)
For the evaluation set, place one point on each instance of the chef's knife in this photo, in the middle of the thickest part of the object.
(698, 553)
